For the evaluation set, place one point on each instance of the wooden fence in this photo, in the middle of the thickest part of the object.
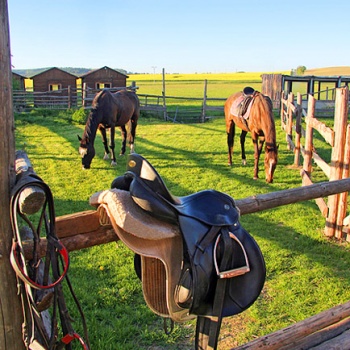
(174, 108)
(338, 137)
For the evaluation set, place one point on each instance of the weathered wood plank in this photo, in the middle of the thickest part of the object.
(325, 131)
(275, 199)
(287, 338)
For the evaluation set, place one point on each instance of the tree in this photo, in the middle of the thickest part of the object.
(300, 70)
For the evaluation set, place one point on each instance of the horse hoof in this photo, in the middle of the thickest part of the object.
(255, 178)
(244, 162)
(113, 163)
(105, 157)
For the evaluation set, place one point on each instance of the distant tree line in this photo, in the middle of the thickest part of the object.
(298, 71)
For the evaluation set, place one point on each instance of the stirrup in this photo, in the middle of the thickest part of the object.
(238, 271)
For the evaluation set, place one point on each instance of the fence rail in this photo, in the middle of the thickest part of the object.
(338, 137)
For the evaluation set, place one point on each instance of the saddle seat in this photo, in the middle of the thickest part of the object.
(151, 194)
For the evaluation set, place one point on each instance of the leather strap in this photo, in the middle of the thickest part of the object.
(208, 327)
(35, 334)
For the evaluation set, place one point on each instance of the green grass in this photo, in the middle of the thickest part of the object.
(306, 273)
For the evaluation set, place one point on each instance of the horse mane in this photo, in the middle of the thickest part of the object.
(265, 109)
(96, 99)
(92, 122)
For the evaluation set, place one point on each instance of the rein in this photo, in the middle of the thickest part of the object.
(46, 320)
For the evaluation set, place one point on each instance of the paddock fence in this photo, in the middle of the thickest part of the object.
(302, 121)
(177, 109)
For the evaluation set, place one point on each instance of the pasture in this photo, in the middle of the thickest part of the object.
(306, 273)
(192, 85)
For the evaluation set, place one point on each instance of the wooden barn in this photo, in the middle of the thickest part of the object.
(104, 77)
(18, 81)
(55, 85)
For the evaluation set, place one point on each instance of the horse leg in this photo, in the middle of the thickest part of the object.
(124, 135)
(256, 156)
(230, 141)
(261, 144)
(132, 135)
(104, 141)
(243, 136)
(112, 145)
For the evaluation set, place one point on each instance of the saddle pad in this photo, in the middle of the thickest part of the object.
(241, 106)
(131, 217)
(156, 241)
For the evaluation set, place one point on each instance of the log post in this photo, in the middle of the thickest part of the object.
(204, 100)
(84, 94)
(289, 135)
(31, 198)
(344, 195)
(164, 96)
(340, 123)
(309, 137)
(11, 316)
(299, 112)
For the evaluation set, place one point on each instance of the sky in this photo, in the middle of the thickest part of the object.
(192, 36)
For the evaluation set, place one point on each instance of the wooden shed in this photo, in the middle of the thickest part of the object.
(53, 79)
(18, 81)
(102, 78)
(54, 86)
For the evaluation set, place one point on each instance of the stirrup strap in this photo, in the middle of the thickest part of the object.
(208, 327)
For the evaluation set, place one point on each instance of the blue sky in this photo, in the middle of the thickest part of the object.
(192, 36)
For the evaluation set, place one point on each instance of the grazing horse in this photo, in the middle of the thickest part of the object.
(108, 111)
(251, 111)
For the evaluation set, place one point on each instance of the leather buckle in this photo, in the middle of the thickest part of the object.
(238, 271)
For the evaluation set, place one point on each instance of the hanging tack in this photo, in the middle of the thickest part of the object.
(32, 198)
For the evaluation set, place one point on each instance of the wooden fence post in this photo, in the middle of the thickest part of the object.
(84, 95)
(309, 139)
(343, 197)
(164, 98)
(340, 123)
(289, 135)
(69, 97)
(10, 306)
(299, 112)
(204, 100)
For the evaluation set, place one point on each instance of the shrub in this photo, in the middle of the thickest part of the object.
(80, 116)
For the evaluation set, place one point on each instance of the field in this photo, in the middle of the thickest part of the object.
(306, 273)
(192, 85)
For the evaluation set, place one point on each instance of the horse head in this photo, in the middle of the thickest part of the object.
(271, 151)
(87, 152)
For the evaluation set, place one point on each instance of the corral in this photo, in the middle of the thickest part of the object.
(9, 307)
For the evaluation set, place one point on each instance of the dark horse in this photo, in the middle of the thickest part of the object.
(108, 111)
(251, 111)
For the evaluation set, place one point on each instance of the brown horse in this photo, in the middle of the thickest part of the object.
(108, 111)
(257, 118)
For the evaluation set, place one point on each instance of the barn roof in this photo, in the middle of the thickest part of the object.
(52, 68)
(104, 67)
(19, 75)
